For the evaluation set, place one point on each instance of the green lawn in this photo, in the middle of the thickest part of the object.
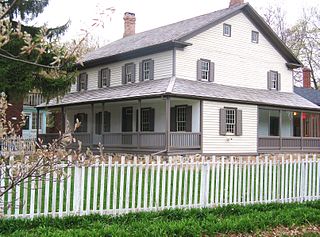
(253, 219)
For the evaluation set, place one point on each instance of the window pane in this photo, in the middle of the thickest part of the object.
(27, 122)
(205, 70)
(145, 120)
(146, 70)
(181, 119)
(290, 126)
(230, 121)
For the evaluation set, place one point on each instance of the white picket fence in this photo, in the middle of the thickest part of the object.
(115, 187)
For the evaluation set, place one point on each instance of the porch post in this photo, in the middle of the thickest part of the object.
(280, 132)
(139, 123)
(168, 106)
(63, 120)
(92, 127)
(201, 126)
(301, 130)
(37, 125)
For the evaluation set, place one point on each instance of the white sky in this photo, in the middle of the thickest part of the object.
(149, 14)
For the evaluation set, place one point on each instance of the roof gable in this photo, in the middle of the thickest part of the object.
(174, 35)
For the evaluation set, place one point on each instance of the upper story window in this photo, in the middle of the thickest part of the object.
(230, 121)
(255, 37)
(227, 30)
(82, 83)
(205, 70)
(128, 73)
(104, 78)
(146, 70)
(274, 80)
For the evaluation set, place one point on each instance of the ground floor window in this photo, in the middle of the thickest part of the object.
(181, 118)
(105, 122)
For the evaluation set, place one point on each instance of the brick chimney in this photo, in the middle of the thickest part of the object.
(235, 2)
(129, 24)
(306, 77)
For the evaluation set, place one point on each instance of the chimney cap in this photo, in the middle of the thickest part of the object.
(129, 14)
(306, 69)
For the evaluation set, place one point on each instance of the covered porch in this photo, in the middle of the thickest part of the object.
(281, 130)
(162, 124)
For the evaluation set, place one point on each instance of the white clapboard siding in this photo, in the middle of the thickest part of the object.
(213, 142)
(162, 69)
(149, 185)
(249, 62)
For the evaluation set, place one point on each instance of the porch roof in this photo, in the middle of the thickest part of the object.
(189, 89)
(213, 91)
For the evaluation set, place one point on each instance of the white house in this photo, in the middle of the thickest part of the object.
(219, 83)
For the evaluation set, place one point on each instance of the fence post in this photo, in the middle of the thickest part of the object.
(204, 180)
(77, 189)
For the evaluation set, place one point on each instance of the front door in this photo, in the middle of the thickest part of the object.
(127, 122)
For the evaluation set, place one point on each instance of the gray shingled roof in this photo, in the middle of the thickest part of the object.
(308, 93)
(187, 88)
(142, 89)
(240, 94)
(172, 32)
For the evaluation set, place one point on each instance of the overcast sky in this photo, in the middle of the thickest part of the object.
(149, 14)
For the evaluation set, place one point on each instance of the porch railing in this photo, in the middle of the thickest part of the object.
(135, 140)
(288, 143)
(185, 140)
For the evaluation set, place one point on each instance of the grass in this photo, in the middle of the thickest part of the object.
(233, 219)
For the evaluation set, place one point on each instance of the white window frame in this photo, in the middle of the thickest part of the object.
(227, 30)
(146, 69)
(231, 121)
(104, 77)
(82, 81)
(205, 69)
(255, 37)
(274, 80)
(129, 72)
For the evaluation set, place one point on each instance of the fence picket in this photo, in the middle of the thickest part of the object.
(265, 180)
(95, 186)
(180, 182)
(244, 172)
(222, 182)
(257, 180)
(17, 201)
(235, 193)
(169, 182)
(252, 181)
(213, 173)
(109, 184)
(115, 188)
(191, 183)
(240, 166)
(39, 204)
(146, 183)
(102, 179)
(46, 195)
(134, 182)
(68, 197)
(226, 183)
(314, 177)
(88, 191)
(290, 179)
(299, 179)
(318, 179)
(158, 183)
(61, 192)
(185, 182)
(270, 181)
(196, 185)
(174, 185)
(231, 180)
(163, 184)
(286, 187)
(128, 186)
(282, 178)
(151, 200)
(121, 192)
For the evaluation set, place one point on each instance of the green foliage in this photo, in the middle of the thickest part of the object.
(195, 222)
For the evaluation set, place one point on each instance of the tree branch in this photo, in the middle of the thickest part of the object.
(8, 9)
(28, 62)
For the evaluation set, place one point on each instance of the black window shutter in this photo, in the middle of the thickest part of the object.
(124, 81)
(137, 120)
(199, 70)
(99, 79)
(173, 127)
(107, 120)
(108, 77)
(152, 112)
(189, 119)
(239, 123)
(124, 120)
(269, 80)
(223, 129)
(279, 82)
(140, 71)
(134, 73)
(78, 83)
(211, 71)
(151, 69)
(86, 84)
